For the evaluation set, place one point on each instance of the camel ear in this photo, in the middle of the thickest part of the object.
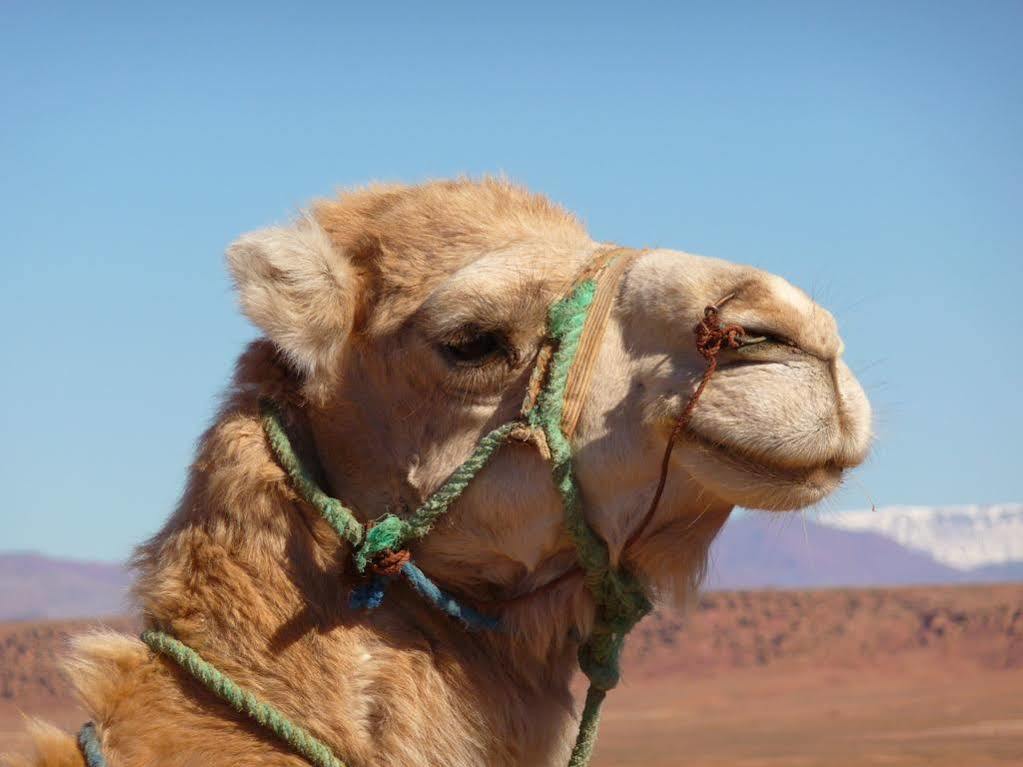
(299, 289)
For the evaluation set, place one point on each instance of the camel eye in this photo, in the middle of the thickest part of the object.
(758, 336)
(474, 347)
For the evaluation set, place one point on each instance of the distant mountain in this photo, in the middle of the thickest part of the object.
(783, 551)
(962, 537)
(34, 586)
(888, 547)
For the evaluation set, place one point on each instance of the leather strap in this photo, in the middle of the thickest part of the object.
(607, 268)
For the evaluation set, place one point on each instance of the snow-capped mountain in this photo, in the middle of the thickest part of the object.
(962, 537)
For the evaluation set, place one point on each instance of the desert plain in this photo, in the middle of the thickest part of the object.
(900, 677)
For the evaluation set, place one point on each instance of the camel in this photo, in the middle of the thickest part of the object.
(400, 325)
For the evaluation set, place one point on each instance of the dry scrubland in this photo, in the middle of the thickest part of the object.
(900, 677)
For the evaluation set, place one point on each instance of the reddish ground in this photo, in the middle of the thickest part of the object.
(900, 677)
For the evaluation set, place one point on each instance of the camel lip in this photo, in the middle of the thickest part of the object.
(823, 472)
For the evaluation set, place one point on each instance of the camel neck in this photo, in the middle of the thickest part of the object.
(256, 583)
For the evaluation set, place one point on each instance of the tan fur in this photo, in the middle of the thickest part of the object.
(358, 301)
(52, 748)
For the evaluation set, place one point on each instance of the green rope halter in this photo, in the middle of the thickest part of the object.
(619, 596)
(336, 513)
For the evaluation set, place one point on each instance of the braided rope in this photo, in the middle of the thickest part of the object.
(304, 743)
(393, 533)
(620, 599)
(388, 535)
(370, 595)
(337, 515)
(589, 723)
(444, 602)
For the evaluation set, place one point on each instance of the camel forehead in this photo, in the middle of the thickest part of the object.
(408, 240)
(446, 219)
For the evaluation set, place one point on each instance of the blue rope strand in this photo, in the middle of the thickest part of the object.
(445, 602)
(88, 742)
(370, 595)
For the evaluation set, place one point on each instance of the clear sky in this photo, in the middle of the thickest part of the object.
(871, 152)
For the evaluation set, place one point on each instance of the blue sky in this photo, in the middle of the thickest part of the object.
(870, 152)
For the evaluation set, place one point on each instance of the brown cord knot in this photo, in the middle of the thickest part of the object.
(389, 563)
(711, 335)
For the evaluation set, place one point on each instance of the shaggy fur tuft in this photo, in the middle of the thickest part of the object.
(51, 748)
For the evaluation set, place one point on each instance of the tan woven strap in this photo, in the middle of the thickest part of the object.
(607, 268)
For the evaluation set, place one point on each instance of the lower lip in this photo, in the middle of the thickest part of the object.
(825, 474)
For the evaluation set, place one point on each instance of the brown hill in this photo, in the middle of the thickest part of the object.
(848, 628)
(903, 677)
(29, 659)
(34, 586)
(764, 550)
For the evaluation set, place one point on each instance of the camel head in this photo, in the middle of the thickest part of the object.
(412, 316)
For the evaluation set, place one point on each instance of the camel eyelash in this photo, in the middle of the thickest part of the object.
(473, 346)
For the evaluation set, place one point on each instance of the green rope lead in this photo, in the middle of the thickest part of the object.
(586, 739)
(306, 744)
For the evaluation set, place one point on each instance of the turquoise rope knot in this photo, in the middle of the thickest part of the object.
(389, 533)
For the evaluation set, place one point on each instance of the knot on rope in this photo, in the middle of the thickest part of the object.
(603, 675)
(386, 534)
(622, 605)
(532, 435)
(389, 563)
(712, 336)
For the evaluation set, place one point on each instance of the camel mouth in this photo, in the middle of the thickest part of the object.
(757, 482)
(758, 464)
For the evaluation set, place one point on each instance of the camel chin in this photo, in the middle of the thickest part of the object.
(745, 482)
